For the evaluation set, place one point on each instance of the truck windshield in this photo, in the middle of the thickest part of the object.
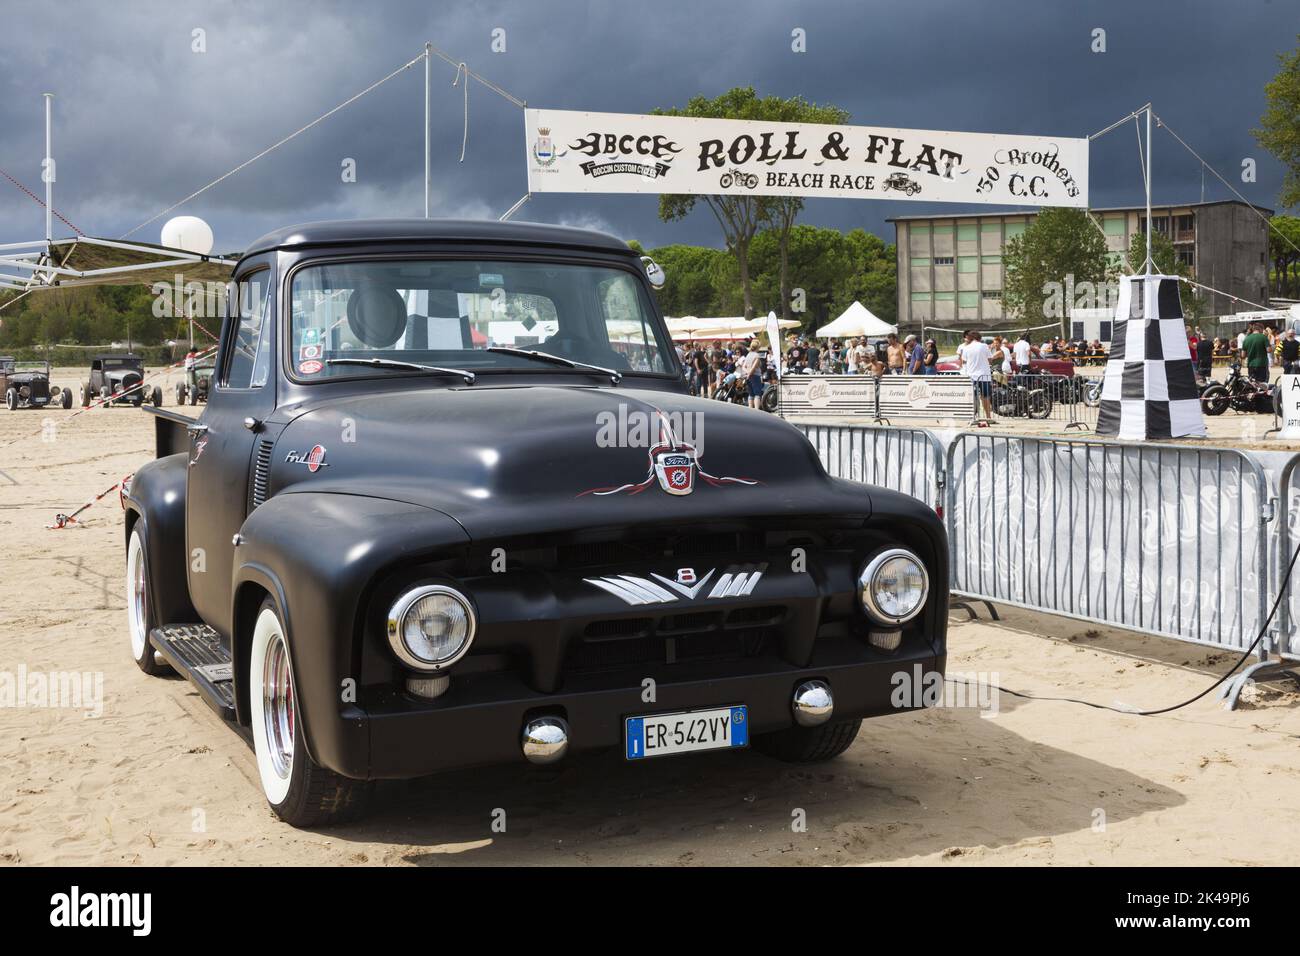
(450, 312)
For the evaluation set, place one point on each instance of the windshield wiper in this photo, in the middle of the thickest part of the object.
(398, 363)
(614, 374)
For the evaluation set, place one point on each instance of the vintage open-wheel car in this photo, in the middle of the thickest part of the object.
(118, 379)
(27, 385)
(195, 389)
(449, 504)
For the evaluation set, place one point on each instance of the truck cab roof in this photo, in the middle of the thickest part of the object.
(352, 231)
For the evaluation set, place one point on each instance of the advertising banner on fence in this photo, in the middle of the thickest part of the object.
(575, 152)
(828, 396)
(927, 396)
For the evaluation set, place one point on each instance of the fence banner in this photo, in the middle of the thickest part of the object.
(575, 152)
(828, 396)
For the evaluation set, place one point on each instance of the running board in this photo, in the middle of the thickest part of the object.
(197, 653)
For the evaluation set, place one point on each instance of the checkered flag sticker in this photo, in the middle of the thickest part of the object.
(1149, 387)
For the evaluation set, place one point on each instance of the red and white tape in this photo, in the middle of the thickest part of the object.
(62, 521)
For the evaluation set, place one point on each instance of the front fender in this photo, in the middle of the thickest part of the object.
(316, 555)
(157, 498)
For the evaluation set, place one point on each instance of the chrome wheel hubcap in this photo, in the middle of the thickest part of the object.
(277, 706)
(137, 595)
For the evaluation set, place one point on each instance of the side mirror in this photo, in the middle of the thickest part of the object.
(654, 272)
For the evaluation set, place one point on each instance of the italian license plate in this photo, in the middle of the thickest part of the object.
(663, 734)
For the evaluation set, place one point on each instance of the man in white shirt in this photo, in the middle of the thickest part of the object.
(1023, 350)
(975, 356)
(748, 376)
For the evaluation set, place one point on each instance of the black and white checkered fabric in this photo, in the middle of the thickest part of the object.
(1149, 387)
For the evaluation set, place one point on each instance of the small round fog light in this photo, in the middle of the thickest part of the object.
(813, 703)
(546, 739)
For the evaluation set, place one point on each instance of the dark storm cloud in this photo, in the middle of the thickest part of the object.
(141, 121)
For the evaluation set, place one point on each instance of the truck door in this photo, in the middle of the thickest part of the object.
(242, 390)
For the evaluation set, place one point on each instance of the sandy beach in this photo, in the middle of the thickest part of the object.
(156, 778)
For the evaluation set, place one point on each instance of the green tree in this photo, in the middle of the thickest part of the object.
(782, 211)
(1284, 250)
(1166, 262)
(1060, 249)
(692, 275)
(741, 217)
(1279, 131)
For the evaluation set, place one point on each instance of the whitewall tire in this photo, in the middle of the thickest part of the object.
(299, 790)
(139, 612)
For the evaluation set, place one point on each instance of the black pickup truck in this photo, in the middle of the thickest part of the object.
(449, 504)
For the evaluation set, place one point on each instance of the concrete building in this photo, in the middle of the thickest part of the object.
(951, 273)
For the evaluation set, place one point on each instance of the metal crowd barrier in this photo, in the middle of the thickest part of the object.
(1288, 645)
(910, 460)
(1171, 540)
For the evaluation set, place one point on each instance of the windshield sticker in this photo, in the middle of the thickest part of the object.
(494, 279)
(310, 367)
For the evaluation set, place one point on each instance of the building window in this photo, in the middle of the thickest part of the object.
(1162, 225)
(1015, 229)
(943, 229)
(1114, 225)
(920, 262)
(944, 296)
(991, 260)
(991, 227)
(968, 300)
(1186, 255)
(943, 260)
(920, 297)
(989, 294)
(920, 228)
(967, 232)
(968, 263)
(1186, 223)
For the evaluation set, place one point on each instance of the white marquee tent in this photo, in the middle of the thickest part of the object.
(689, 327)
(856, 320)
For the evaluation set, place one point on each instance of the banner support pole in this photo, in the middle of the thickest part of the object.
(48, 174)
(428, 47)
(1148, 184)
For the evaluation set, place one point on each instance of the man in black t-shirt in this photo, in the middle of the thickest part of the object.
(814, 358)
(1290, 353)
(1204, 356)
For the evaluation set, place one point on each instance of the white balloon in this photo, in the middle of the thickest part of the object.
(189, 233)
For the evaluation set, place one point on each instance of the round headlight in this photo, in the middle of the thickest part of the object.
(893, 586)
(431, 627)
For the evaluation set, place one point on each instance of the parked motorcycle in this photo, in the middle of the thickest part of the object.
(1021, 397)
(1238, 392)
(1092, 393)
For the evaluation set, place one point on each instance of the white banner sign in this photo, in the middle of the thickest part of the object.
(834, 396)
(927, 396)
(1288, 386)
(573, 152)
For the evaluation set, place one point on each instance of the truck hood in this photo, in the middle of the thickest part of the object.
(507, 461)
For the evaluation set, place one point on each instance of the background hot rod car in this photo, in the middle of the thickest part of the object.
(195, 390)
(390, 546)
(116, 378)
(27, 385)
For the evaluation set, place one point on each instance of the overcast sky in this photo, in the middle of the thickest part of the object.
(141, 120)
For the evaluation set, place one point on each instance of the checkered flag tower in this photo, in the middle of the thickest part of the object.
(1149, 387)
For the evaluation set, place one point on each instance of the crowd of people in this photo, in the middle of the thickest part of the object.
(1259, 347)
(745, 367)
